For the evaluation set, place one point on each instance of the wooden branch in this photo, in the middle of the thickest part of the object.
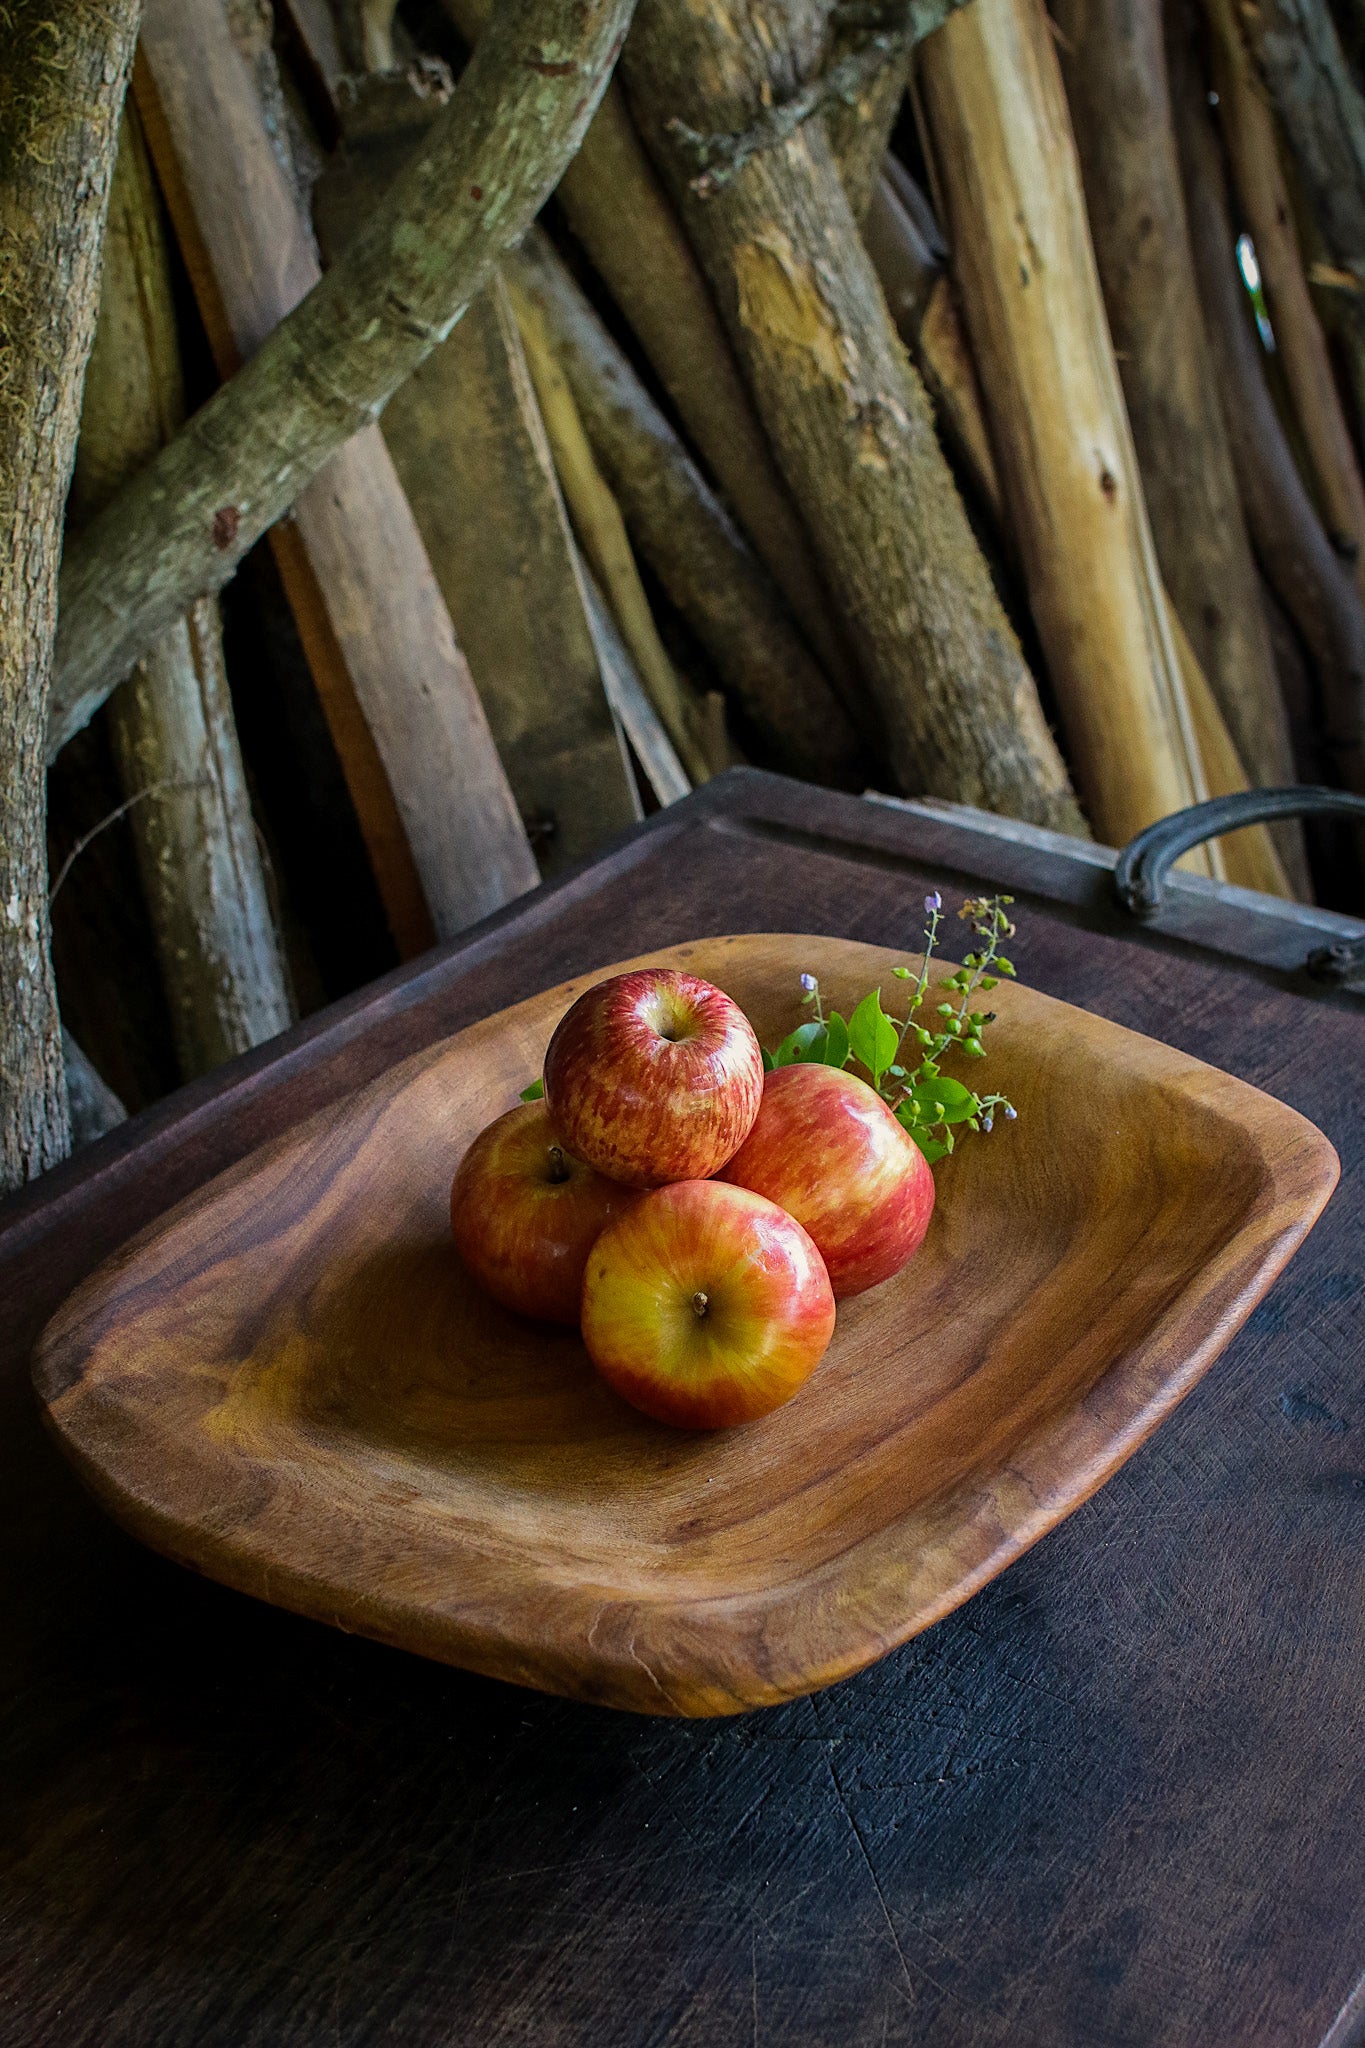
(65, 71)
(845, 80)
(369, 614)
(620, 213)
(1031, 296)
(172, 726)
(631, 702)
(859, 130)
(1253, 145)
(467, 440)
(849, 421)
(1114, 65)
(1251, 857)
(1298, 52)
(1299, 561)
(688, 538)
(602, 535)
(924, 304)
(326, 370)
(95, 1108)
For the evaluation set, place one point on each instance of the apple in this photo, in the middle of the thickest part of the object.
(654, 1076)
(827, 1149)
(525, 1213)
(706, 1305)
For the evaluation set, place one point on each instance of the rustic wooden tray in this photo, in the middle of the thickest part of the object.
(289, 1383)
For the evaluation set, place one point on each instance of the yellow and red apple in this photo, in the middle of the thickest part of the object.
(525, 1214)
(826, 1148)
(654, 1076)
(706, 1305)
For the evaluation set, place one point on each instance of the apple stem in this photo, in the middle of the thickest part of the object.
(559, 1170)
(700, 1304)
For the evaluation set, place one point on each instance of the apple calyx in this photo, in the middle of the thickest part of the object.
(700, 1304)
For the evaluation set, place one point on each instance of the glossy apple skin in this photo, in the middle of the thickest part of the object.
(525, 1214)
(826, 1147)
(706, 1305)
(653, 1077)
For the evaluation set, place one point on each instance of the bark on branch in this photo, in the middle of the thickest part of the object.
(172, 726)
(884, 44)
(1114, 64)
(61, 87)
(847, 414)
(1300, 563)
(688, 538)
(179, 530)
(1299, 52)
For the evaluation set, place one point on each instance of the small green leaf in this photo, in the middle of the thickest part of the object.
(941, 1099)
(932, 1148)
(836, 1041)
(533, 1092)
(872, 1036)
(768, 1061)
(795, 1047)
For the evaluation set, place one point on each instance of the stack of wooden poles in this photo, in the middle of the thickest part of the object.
(962, 400)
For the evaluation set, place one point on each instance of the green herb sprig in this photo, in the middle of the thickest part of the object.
(934, 1107)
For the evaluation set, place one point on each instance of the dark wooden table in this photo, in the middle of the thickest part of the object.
(1117, 1799)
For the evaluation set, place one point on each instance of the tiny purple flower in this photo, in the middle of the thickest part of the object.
(808, 983)
(1010, 1111)
(933, 903)
(988, 1123)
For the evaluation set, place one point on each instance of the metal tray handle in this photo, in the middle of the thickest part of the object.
(1146, 861)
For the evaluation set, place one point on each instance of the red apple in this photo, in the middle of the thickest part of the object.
(826, 1147)
(525, 1213)
(654, 1076)
(706, 1305)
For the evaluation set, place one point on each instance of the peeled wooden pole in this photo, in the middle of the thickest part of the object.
(1250, 133)
(847, 415)
(469, 446)
(1007, 164)
(620, 213)
(439, 821)
(1113, 61)
(172, 725)
(602, 534)
(679, 526)
(921, 297)
(1300, 563)
(65, 74)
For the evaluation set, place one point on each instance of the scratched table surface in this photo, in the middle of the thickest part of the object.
(1117, 1799)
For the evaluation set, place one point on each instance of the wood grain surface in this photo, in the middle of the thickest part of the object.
(294, 1386)
(1113, 1802)
(439, 819)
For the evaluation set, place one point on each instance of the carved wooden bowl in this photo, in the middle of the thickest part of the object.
(290, 1384)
